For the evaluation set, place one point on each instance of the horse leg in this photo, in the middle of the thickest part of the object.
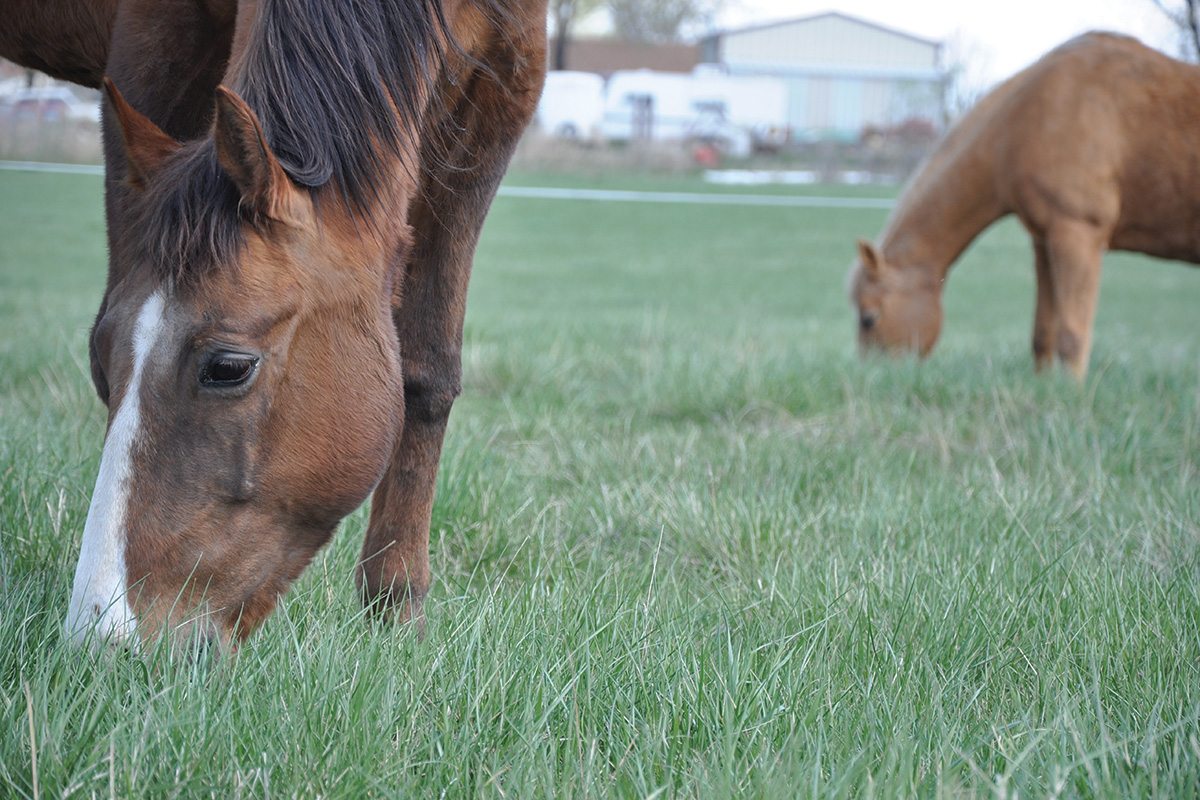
(1045, 315)
(464, 165)
(1075, 251)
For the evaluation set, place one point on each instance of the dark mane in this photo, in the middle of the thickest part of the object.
(322, 77)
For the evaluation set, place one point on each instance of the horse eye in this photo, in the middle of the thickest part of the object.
(223, 370)
(867, 321)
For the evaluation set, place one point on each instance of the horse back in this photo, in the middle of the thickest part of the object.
(1105, 130)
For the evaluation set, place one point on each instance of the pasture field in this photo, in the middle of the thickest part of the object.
(685, 543)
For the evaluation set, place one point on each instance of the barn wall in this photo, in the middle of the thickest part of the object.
(842, 73)
(830, 41)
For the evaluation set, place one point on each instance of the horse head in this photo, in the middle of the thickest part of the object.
(899, 310)
(246, 353)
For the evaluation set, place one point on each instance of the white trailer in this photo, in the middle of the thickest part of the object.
(705, 104)
(643, 104)
(572, 105)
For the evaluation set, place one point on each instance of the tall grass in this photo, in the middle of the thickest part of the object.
(685, 544)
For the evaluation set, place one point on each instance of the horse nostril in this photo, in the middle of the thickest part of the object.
(867, 321)
(206, 647)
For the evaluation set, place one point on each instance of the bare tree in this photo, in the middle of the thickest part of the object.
(967, 66)
(563, 16)
(1184, 15)
(661, 20)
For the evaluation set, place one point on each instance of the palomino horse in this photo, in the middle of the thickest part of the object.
(1094, 147)
(295, 190)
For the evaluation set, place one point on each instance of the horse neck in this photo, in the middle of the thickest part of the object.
(68, 41)
(949, 202)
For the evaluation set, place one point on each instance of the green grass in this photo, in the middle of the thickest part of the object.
(685, 543)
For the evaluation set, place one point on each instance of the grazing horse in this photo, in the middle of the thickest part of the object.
(1094, 147)
(295, 189)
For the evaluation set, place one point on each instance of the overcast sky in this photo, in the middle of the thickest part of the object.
(1001, 36)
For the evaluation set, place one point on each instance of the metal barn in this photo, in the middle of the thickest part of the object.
(843, 74)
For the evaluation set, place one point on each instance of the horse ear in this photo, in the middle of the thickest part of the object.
(871, 259)
(245, 155)
(146, 145)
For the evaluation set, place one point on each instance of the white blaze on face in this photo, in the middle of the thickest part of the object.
(98, 600)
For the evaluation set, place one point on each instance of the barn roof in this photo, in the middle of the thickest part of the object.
(824, 15)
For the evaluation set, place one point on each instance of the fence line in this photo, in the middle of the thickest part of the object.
(37, 166)
(694, 198)
(596, 195)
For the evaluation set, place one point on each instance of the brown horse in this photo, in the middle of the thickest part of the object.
(1094, 147)
(295, 190)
